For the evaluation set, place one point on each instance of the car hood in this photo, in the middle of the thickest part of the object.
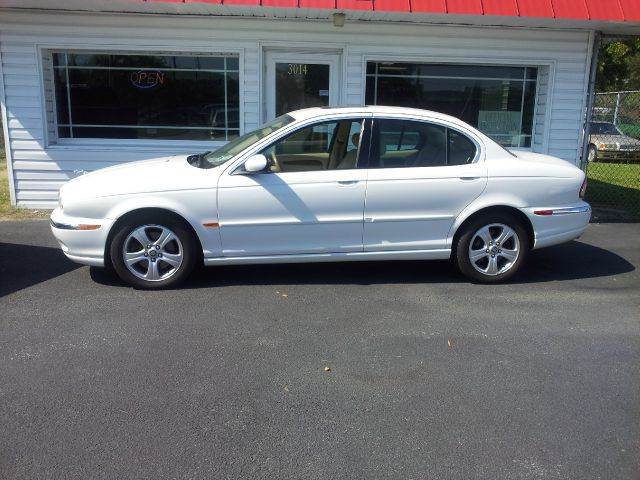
(155, 175)
(615, 140)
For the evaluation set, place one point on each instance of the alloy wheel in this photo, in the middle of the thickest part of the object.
(152, 253)
(494, 249)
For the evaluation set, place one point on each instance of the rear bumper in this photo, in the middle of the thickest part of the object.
(558, 224)
(81, 239)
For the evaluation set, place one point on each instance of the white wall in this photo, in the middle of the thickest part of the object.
(40, 168)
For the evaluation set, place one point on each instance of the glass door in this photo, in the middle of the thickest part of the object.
(300, 80)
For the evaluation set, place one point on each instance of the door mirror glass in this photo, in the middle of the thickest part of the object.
(255, 164)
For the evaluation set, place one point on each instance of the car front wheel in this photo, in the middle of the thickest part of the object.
(492, 248)
(154, 252)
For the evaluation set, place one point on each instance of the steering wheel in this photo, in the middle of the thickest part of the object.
(273, 160)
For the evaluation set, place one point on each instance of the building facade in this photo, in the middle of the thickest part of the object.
(86, 85)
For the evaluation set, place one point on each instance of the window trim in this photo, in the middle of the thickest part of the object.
(485, 61)
(442, 123)
(115, 144)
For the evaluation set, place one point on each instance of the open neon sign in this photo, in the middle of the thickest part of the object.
(147, 78)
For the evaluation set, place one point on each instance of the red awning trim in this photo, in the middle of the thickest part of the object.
(597, 10)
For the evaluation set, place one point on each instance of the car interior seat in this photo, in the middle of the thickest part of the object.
(350, 158)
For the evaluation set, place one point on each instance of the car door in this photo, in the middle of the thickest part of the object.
(310, 200)
(421, 176)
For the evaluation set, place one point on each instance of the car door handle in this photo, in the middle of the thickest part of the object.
(347, 182)
(469, 178)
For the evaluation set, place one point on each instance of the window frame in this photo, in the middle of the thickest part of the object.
(447, 125)
(49, 121)
(485, 61)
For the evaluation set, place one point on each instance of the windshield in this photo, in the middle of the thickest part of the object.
(604, 129)
(234, 147)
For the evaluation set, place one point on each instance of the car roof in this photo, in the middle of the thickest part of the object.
(380, 110)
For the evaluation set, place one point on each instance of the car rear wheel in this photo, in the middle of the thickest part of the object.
(492, 248)
(153, 252)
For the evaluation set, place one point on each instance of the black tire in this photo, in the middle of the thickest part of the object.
(189, 250)
(461, 253)
(592, 154)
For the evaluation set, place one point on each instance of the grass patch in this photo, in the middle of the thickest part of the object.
(615, 185)
(631, 129)
(8, 211)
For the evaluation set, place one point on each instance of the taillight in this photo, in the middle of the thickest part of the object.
(583, 189)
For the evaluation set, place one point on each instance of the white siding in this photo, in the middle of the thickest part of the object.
(49, 95)
(39, 169)
(540, 116)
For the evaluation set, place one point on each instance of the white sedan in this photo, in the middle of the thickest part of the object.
(325, 185)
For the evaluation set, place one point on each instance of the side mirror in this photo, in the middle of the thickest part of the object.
(255, 164)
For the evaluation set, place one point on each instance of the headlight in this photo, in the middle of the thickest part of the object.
(608, 146)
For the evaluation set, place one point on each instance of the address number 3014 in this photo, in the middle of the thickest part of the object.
(297, 69)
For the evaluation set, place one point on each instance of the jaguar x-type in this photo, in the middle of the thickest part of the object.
(324, 185)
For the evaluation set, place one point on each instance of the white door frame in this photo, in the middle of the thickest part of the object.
(271, 57)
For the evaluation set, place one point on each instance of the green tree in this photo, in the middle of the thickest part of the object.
(619, 66)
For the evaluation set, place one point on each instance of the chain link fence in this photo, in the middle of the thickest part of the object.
(613, 155)
(613, 151)
(620, 108)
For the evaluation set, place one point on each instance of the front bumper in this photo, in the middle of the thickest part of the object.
(558, 224)
(82, 240)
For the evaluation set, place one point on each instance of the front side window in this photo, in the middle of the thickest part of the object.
(498, 100)
(407, 143)
(332, 145)
(146, 96)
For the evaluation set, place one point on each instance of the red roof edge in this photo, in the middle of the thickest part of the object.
(596, 10)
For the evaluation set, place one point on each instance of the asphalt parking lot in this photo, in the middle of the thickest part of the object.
(431, 377)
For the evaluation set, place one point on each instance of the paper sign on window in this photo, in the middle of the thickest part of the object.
(499, 122)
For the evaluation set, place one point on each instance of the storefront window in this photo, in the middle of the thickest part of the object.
(498, 100)
(125, 96)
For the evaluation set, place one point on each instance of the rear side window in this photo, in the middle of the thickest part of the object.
(408, 143)
(461, 149)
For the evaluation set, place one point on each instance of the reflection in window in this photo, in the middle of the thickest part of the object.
(129, 96)
(498, 100)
